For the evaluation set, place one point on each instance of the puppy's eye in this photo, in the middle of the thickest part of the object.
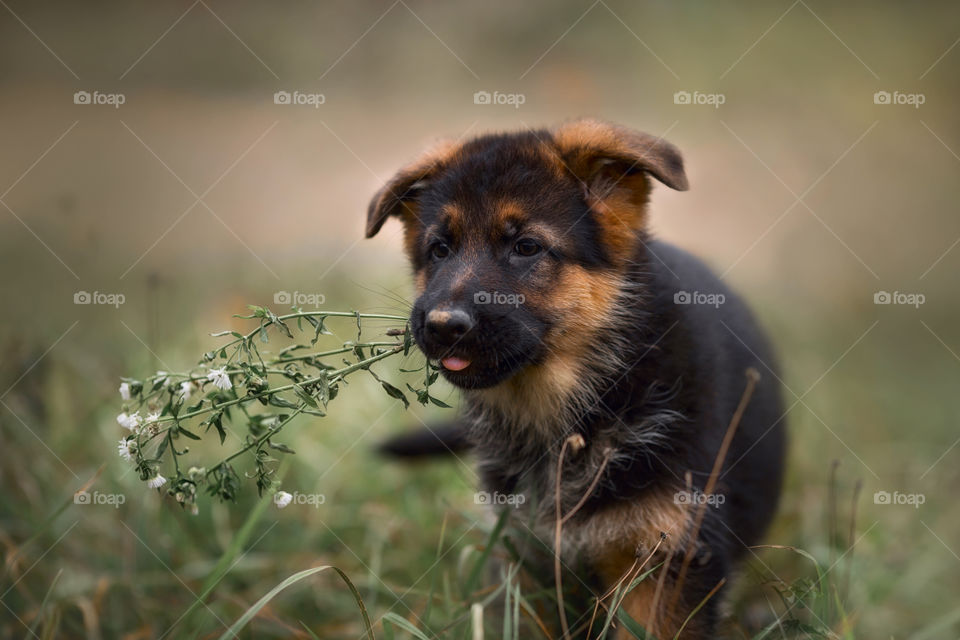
(439, 251)
(527, 247)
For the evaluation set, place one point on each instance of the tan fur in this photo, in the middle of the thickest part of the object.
(420, 282)
(581, 308)
(454, 218)
(437, 315)
(586, 140)
(615, 538)
(508, 211)
(385, 201)
(621, 213)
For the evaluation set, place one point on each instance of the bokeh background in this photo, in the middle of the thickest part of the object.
(200, 194)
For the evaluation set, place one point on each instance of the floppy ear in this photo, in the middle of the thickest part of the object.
(595, 150)
(399, 196)
(614, 164)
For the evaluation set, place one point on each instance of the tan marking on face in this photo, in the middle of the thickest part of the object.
(438, 315)
(508, 211)
(580, 305)
(411, 231)
(453, 216)
(420, 282)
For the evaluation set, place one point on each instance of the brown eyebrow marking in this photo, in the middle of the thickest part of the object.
(453, 217)
(509, 212)
(512, 220)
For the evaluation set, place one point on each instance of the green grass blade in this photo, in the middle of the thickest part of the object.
(225, 563)
(405, 625)
(250, 613)
(474, 577)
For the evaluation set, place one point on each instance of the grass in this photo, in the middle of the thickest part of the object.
(405, 545)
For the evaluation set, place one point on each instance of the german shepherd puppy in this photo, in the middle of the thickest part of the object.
(543, 297)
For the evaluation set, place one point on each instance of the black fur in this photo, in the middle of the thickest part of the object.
(662, 379)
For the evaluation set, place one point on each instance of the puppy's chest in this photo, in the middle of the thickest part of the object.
(610, 537)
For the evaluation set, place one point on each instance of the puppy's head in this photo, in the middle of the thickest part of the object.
(519, 242)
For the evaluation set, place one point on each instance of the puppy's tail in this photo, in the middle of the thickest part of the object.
(448, 438)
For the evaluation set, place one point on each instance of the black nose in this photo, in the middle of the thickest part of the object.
(448, 325)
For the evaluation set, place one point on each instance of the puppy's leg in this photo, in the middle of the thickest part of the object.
(657, 605)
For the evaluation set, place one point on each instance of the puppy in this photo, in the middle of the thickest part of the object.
(579, 341)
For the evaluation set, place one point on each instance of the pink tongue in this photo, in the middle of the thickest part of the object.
(455, 364)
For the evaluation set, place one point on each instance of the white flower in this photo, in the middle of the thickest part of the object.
(125, 391)
(153, 417)
(219, 378)
(126, 449)
(156, 481)
(130, 422)
(282, 499)
(186, 389)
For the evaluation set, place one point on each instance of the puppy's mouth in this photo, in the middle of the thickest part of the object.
(478, 370)
(453, 363)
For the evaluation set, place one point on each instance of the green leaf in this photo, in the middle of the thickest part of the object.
(216, 421)
(278, 401)
(281, 447)
(186, 432)
(250, 613)
(439, 403)
(303, 395)
(162, 448)
(405, 625)
(394, 392)
(323, 389)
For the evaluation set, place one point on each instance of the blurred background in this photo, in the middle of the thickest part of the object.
(196, 157)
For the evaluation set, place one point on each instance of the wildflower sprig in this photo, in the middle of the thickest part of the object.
(241, 388)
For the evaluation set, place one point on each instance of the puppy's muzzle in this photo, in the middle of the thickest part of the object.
(447, 326)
